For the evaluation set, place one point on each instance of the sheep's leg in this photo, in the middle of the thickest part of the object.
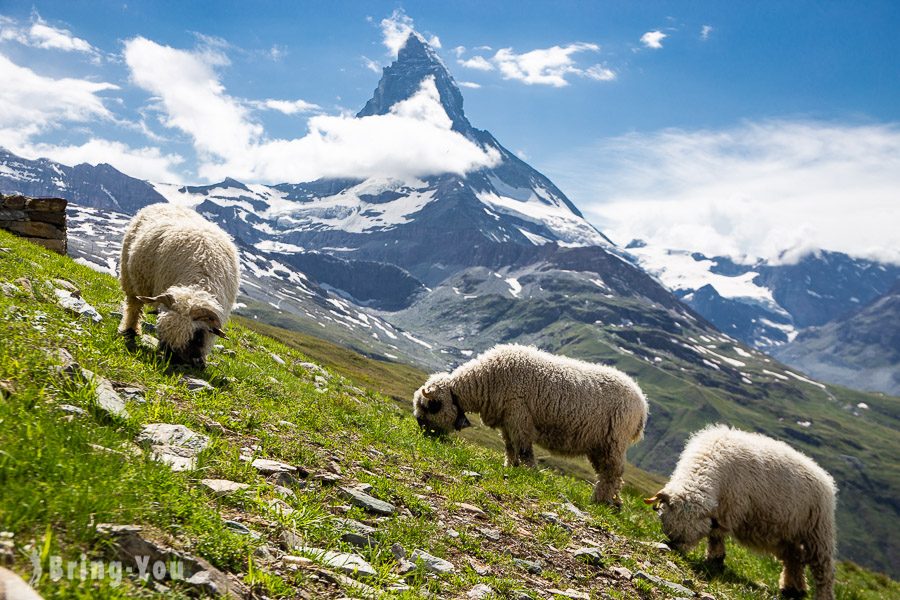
(512, 453)
(715, 551)
(130, 325)
(526, 455)
(822, 569)
(610, 466)
(792, 582)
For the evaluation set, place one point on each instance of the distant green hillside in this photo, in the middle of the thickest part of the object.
(68, 464)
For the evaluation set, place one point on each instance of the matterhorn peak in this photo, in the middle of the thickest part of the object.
(416, 61)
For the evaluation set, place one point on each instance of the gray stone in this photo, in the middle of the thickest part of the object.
(77, 305)
(106, 396)
(471, 474)
(491, 534)
(575, 511)
(150, 341)
(240, 528)
(670, 585)
(480, 591)
(589, 556)
(276, 358)
(195, 384)
(130, 546)
(352, 564)
(174, 445)
(621, 572)
(570, 593)
(221, 487)
(404, 566)
(432, 564)
(398, 551)
(71, 410)
(14, 587)
(313, 368)
(472, 510)
(267, 466)
(367, 502)
(532, 566)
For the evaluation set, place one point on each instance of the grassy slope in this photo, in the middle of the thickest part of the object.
(55, 482)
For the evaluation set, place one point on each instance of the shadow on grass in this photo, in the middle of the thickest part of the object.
(721, 573)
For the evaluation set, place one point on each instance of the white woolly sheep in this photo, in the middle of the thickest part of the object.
(769, 496)
(188, 267)
(568, 406)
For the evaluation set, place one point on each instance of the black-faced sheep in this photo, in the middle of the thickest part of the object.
(568, 406)
(763, 492)
(188, 267)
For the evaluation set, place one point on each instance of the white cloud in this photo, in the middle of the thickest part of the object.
(544, 66)
(396, 29)
(459, 51)
(371, 64)
(414, 140)
(599, 73)
(43, 35)
(469, 84)
(479, 63)
(31, 104)
(653, 39)
(705, 31)
(144, 163)
(435, 42)
(756, 190)
(288, 107)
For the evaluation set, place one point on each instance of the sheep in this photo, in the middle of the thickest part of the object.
(188, 267)
(769, 496)
(568, 406)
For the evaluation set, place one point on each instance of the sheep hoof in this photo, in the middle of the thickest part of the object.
(128, 334)
(715, 564)
(792, 593)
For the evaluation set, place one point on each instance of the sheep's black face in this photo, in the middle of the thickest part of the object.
(684, 523)
(193, 354)
(437, 409)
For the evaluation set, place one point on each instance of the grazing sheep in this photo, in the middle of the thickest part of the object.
(762, 491)
(174, 258)
(568, 406)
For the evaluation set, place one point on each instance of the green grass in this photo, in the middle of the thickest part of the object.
(60, 475)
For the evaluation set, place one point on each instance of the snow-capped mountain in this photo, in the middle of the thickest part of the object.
(768, 303)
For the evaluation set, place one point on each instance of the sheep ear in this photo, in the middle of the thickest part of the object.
(166, 300)
(660, 498)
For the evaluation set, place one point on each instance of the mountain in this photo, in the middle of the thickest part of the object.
(768, 303)
(101, 186)
(433, 270)
(859, 350)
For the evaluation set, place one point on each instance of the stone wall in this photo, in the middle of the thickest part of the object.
(39, 220)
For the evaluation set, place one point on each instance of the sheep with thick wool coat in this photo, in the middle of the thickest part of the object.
(568, 406)
(769, 496)
(177, 260)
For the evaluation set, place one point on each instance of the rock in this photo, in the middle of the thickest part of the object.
(365, 488)
(132, 547)
(327, 478)
(360, 589)
(472, 509)
(25, 285)
(267, 466)
(14, 587)
(479, 568)
(314, 368)
(284, 491)
(9, 290)
(276, 358)
(621, 572)
(71, 410)
(532, 566)
(398, 551)
(670, 585)
(133, 393)
(240, 528)
(221, 487)
(589, 556)
(404, 566)
(471, 474)
(657, 545)
(351, 564)
(570, 593)
(575, 511)
(320, 381)
(356, 533)
(67, 285)
(76, 305)
(195, 384)
(432, 564)
(150, 341)
(491, 534)
(174, 445)
(106, 396)
(554, 518)
(481, 590)
(367, 502)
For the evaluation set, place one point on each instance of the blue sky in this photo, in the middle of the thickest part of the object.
(640, 111)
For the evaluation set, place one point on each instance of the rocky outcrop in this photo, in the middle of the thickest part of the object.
(39, 220)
